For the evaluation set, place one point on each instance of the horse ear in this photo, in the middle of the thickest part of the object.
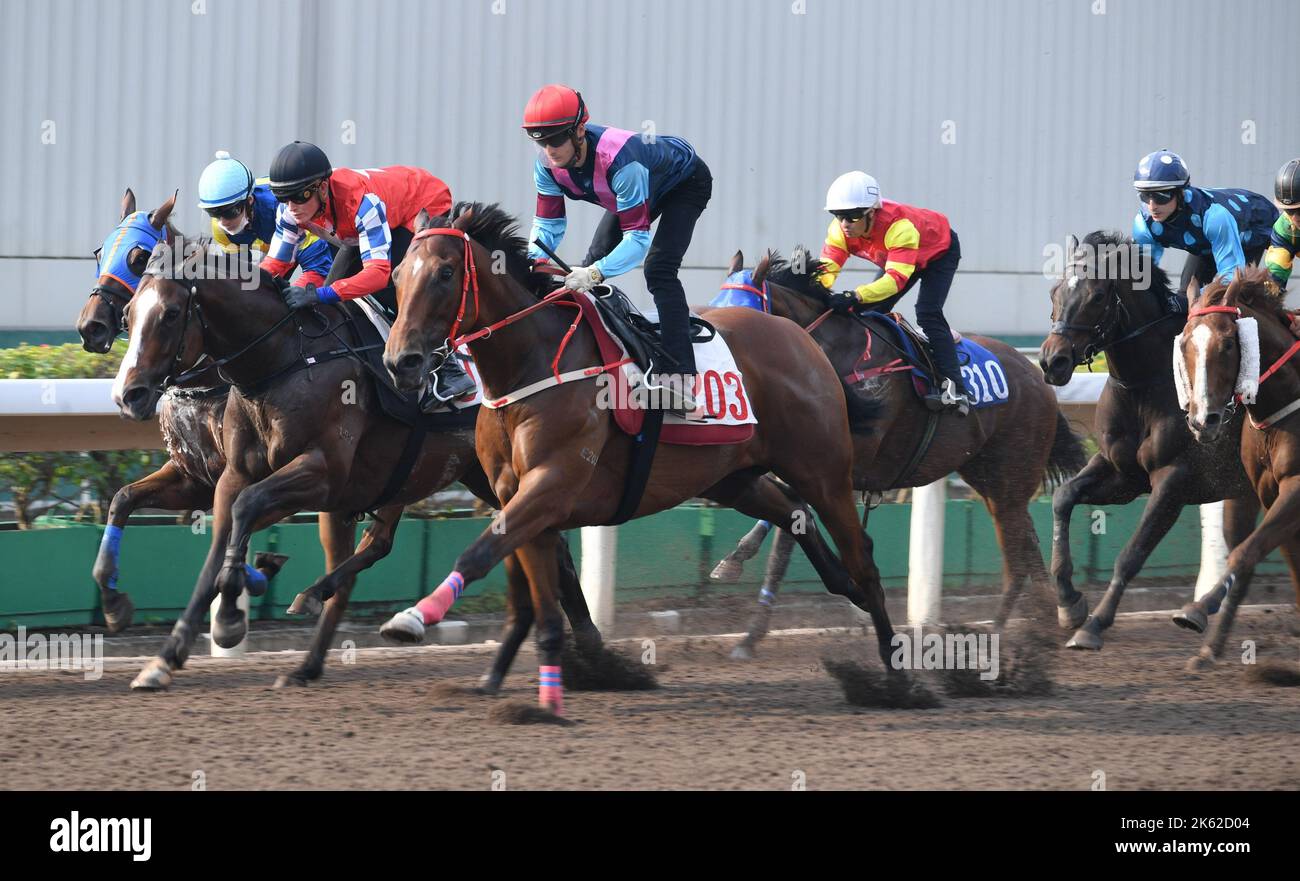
(464, 220)
(1193, 291)
(737, 263)
(422, 220)
(128, 203)
(158, 219)
(760, 271)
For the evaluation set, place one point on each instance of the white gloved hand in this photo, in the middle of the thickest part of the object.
(583, 278)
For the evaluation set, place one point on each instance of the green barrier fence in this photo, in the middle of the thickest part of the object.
(45, 573)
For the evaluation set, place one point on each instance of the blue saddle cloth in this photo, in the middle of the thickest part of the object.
(986, 382)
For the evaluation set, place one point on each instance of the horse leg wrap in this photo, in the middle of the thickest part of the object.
(110, 544)
(550, 693)
(435, 605)
(255, 578)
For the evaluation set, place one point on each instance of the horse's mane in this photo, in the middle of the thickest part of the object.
(496, 230)
(802, 273)
(166, 258)
(1101, 239)
(1252, 286)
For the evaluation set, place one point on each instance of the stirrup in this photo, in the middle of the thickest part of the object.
(450, 382)
(951, 399)
(671, 399)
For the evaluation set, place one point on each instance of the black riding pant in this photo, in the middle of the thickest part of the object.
(934, 279)
(347, 263)
(1203, 268)
(676, 212)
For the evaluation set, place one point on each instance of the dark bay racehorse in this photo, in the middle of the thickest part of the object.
(556, 458)
(189, 417)
(302, 431)
(1238, 348)
(1100, 305)
(1004, 452)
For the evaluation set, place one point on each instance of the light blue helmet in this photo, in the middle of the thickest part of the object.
(224, 181)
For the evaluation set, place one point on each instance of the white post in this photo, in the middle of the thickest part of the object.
(599, 556)
(1214, 550)
(925, 553)
(237, 651)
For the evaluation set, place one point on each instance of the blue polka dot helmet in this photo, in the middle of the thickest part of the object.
(1161, 170)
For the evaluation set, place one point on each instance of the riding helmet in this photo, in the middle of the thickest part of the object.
(553, 109)
(1287, 186)
(1161, 170)
(224, 182)
(296, 166)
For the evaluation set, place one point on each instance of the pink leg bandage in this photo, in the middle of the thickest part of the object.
(435, 605)
(551, 691)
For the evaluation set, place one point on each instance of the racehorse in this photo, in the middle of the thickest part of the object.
(1238, 349)
(189, 417)
(303, 430)
(1003, 452)
(556, 458)
(1144, 442)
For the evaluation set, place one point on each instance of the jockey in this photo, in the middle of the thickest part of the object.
(370, 214)
(1220, 229)
(243, 213)
(636, 179)
(1284, 240)
(910, 244)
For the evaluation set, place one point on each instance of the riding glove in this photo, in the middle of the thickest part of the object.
(301, 297)
(583, 278)
(841, 301)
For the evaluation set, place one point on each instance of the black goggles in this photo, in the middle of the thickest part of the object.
(852, 216)
(298, 197)
(226, 212)
(552, 140)
(1157, 197)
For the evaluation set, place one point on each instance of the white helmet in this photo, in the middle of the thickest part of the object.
(853, 189)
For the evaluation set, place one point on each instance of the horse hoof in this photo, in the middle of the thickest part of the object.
(727, 572)
(487, 688)
(406, 626)
(306, 604)
(1085, 638)
(118, 611)
(742, 652)
(291, 680)
(269, 564)
(229, 631)
(1071, 617)
(155, 676)
(1192, 618)
(1200, 663)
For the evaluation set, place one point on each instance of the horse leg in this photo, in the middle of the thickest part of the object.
(301, 485)
(1277, 527)
(1163, 507)
(519, 619)
(157, 673)
(732, 566)
(778, 561)
(1239, 516)
(538, 560)
(169, 488)
(1098, 483)
(336, 532)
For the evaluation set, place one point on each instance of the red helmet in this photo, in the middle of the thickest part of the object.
(553, 109)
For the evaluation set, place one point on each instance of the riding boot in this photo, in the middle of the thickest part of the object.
(950, 396)
(450, 382)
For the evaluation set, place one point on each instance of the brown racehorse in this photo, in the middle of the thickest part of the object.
(1003, 452)
(190, 419)
(302, 431)
(1238, 348)
(1145, 446)
(556, 458)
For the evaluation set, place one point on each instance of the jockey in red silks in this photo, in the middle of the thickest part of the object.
(370, 215)
(636, 178)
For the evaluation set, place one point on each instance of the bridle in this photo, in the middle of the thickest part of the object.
(1106, 325)
(760, 293)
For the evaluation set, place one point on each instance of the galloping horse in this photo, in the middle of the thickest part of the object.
(303, 430)
(1003, 452)
(1237, 348)
(189, 416)
(1145, 444)
(556, 458)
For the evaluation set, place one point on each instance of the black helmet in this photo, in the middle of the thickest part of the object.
(297, 165)
(1287, 185)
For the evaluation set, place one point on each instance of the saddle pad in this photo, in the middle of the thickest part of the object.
(377, 319)
(724, 417)
(986, 382)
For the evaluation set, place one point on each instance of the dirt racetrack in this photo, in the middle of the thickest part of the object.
(385, 722)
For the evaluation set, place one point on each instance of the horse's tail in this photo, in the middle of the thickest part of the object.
(864, 412)
(1067, 457)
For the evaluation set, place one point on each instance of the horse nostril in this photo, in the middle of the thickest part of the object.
(1212, 419)
(135, 396)
(409, 362)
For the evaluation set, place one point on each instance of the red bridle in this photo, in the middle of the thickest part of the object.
(761, 294)
(1235, 310)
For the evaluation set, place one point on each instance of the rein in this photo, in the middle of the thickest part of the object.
(1107, 325)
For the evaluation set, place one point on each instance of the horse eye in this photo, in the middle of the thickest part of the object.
(446, 273)
(170, 314)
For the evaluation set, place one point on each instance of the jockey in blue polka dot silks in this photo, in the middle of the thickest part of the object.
(1220, 229)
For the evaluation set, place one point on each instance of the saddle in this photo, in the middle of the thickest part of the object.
(912, 345)
(642, 337)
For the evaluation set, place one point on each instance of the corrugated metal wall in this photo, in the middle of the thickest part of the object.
(1051, 104)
